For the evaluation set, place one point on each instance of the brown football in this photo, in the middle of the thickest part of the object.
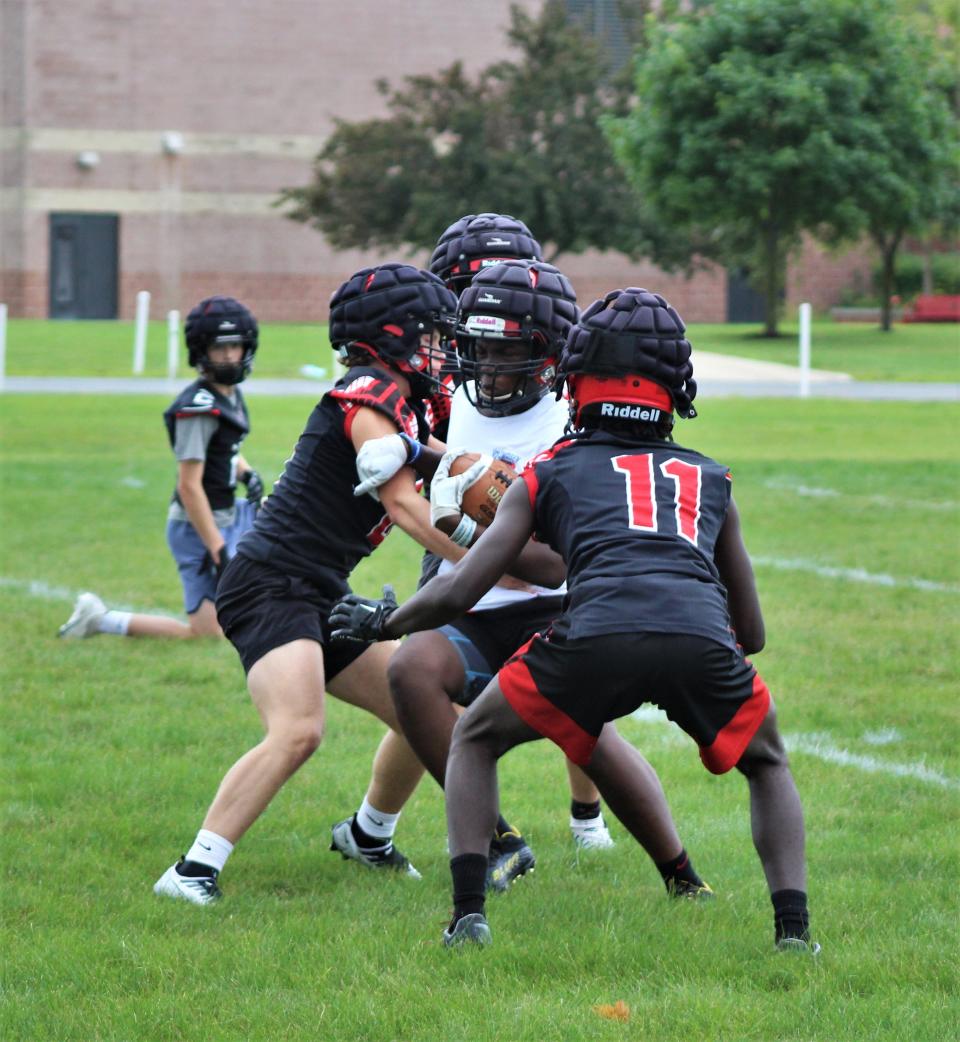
(481, 499)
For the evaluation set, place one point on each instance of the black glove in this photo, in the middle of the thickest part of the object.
(254, 484)
(359, 618)
(215, 564)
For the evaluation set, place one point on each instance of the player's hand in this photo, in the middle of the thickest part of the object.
(377, 461)
(254, 484)
(361, 619)
(216, 563)
(446, 493)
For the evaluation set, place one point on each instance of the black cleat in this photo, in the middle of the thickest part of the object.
(510, 858)
(469, 929)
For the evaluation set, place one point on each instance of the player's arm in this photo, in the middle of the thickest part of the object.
(736, 571)
(251, 479)
(401, 500)
(448, 596)
(197, 506)
(379, 458)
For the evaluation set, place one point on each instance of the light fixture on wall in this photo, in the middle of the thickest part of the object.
(172, 142)
(88, 159)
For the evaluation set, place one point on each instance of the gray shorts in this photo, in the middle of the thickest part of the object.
(189, 553)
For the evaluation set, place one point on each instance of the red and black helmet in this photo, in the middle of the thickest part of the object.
(528, 302)
(221, 320)
(477, 241)
(384, 311)
(628, 358)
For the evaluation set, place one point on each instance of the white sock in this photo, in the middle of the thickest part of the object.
(210, 849)
(377, 823)
(586, 824)
(116, 622)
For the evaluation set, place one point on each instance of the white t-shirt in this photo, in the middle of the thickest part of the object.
(516, 439)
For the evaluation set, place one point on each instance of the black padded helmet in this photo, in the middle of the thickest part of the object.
(477, 241)
(517, 301)
(628, 352)
(384, 311)
(221, 320)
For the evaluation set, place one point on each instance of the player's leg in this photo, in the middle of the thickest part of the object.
(367, 835)
(634, 793)
(433, 675)
(587, 826)
(487, 730)
(91, 617)
(776, 819)
(287, 687)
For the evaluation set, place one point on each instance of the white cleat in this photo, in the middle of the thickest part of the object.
(390, 859)
(85, 620)
(198, 890)
(593, 837)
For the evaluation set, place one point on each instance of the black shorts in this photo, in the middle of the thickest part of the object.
(567, 690)
(485, 639)
(260, 608)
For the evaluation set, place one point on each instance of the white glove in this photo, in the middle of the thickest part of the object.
(377, 461)
(446, 493)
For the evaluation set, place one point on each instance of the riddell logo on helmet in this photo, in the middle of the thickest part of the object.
(629, 412)
(485, 324)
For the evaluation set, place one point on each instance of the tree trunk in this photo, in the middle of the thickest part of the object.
(927, 287)
(888, 254)
(772, 279)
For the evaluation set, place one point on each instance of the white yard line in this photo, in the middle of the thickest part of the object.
(821, 747)
(887, 502)
(854, 575)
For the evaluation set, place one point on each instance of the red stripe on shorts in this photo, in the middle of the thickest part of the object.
(520, 690)
(727, 748)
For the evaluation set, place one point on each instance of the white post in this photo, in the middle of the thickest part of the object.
(140, 332)
(804, 350)
(173, 343)
(3, 342)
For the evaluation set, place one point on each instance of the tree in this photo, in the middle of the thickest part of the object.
(523, 137)
(757, 120)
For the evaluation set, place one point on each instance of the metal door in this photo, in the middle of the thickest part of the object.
(744, 303)
(83, 265)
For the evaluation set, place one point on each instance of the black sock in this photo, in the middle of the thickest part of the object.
(790, 915)
(680, 869)
(193, 869)
(584, 811)
(368, 842)
(469, 873)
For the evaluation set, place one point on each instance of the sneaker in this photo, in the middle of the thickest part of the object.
(510, 858)
(683, 889)
(469, 929)
(198, 890)
(591, 837)
(799, 945)
(85, 620)
(342, 840)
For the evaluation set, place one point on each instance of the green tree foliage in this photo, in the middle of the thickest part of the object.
(522, 137)
(757, 120)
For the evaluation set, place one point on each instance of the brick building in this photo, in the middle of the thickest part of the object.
(142, 146)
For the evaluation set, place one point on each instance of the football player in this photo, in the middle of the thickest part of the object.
(464, 655)
(662, 608)
(388, 324)
(206, 424)
(512, 321)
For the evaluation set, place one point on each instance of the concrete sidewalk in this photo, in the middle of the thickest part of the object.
(718, 376)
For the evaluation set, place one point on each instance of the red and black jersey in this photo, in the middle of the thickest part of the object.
(311, 525)
(637, 524)
(233, 425)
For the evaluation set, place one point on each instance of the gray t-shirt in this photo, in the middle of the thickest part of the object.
(191, 437)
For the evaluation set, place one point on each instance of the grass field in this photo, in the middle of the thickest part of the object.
(112, 749)
(910, 352)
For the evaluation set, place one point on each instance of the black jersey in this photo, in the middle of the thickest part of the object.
(311, 525)
(637, 524)
(233, 425)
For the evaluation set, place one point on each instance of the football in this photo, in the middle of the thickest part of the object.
(481, 499)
